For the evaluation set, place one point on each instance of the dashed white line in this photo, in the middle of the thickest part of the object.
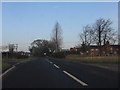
(73, 77)
(7, 71)
(56, 66)
(51, 62)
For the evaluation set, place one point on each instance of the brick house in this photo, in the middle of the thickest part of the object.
(106, 49)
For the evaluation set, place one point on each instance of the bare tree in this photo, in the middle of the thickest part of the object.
(56, 37)
(100, 33)
(112, 37)
(51, 46)
(103, 31)
(87, 35)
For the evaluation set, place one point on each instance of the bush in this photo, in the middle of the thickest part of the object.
(21, 56)
(18, 55)
(58, 55)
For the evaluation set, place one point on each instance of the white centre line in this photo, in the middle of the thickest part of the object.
(73, 77)
(7, 71)
(51, 62)
(56, 66)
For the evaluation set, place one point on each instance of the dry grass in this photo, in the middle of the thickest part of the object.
(95, 59)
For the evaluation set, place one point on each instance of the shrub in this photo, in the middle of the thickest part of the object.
(58, 55)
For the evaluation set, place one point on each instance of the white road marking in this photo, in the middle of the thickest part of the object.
(7, 71)
(51, 62)
(12, 68)
(73, 77)
(56, 66)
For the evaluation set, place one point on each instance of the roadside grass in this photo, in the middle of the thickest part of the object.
(95, 59)
(5, 66)
(12, 59)
(7, 63)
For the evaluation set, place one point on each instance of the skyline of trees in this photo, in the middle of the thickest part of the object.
(40, 47)
(97, 34)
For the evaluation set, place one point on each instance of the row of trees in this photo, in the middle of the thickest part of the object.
(42, 47)
(98, 33)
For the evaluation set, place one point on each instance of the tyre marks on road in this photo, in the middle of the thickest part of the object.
(70, 75)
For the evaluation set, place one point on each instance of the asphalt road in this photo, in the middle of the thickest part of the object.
(58, 73)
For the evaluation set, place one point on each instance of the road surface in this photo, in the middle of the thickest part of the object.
(58, 73)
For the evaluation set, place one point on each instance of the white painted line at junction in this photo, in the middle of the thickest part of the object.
(7, 71)
(73, 77)
(56, 66)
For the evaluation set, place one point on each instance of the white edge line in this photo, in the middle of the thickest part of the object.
(56, 66)
(11, 68)
(73, 77)
(7, 71)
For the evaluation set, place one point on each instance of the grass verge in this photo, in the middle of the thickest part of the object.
(5, 66)
(7, 63)
(96, 59)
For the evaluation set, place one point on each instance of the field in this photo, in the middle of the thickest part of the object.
(95, 59)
